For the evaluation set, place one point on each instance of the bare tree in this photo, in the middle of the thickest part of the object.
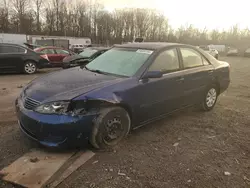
(38, 5)
(88, 18)
(20, 7)
(4, 16)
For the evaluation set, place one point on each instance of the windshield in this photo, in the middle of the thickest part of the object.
(120, 61)
(88, 52)
(204, 48)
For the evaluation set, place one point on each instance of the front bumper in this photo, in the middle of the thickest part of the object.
(55, 130)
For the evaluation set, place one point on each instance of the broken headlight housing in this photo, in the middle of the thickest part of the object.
(58, 107)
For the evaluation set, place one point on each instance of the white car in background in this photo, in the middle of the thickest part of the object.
(210, 50)
(232, 52)
(77, 48)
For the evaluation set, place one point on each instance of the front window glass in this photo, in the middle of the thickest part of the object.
(167, 61)
(120, 61)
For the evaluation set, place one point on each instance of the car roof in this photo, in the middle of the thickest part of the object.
(50, 47)
(10, 44)
(148, 45)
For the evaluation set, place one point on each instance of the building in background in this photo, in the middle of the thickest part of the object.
(60, 41)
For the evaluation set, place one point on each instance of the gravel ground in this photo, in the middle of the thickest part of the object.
(187, 149)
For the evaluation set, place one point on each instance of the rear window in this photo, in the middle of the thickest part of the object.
(11, 49)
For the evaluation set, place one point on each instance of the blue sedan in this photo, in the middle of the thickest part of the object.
(128, 86)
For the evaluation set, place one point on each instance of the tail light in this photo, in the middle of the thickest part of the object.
(44, 56)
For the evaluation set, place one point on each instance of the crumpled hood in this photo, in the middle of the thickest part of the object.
(67, 84)
(68, 59)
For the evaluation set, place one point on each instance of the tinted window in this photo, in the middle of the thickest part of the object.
(48, 51)
(205, 62)
(21, 50)
(191, 58)
(167, 61)
(9, 49)
(60, 51)
(120, 61)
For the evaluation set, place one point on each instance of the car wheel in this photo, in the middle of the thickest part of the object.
(216, 56)
(111, 126)
(210, 98)
(30, 67)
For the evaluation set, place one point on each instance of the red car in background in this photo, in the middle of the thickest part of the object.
(54, 54)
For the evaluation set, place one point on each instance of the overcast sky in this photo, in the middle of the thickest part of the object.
(211, 13)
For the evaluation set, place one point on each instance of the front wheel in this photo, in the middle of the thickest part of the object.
(210, 98)
(30, 67)
(111, 126)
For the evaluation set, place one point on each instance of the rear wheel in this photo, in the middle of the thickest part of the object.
(112, 125)
(210, 98)
(30, 67)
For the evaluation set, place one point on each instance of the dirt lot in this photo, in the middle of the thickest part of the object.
(187, 149)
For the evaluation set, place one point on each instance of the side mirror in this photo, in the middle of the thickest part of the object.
(153, 74)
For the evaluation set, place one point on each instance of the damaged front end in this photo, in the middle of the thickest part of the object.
(61, 123)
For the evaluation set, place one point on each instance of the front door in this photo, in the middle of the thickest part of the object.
(159, 96)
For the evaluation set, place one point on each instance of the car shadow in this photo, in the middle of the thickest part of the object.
(40, 71)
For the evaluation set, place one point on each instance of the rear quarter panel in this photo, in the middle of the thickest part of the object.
(222, 73)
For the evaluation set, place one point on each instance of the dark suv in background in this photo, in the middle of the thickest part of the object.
(17, 58)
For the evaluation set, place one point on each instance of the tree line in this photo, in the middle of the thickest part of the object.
(90, 19)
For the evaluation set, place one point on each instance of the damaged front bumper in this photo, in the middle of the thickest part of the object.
(55, 130)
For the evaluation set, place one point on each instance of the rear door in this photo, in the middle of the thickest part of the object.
(11, 57)
(197, 74)
(161, 95)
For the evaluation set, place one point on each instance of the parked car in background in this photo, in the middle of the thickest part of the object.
(55, 54)
(128, 86)
(233, 52)
(247, 52)
(210, 50)
(16, 58)
(77, 48)
(31, 46)
(84, 57)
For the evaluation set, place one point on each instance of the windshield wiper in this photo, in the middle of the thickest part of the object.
(95, 70)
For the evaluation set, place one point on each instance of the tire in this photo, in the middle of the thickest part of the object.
(210, 98)
(216, 56)
(29, 67)
(110, 119)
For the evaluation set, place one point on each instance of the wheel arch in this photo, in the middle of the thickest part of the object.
(217, 84)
